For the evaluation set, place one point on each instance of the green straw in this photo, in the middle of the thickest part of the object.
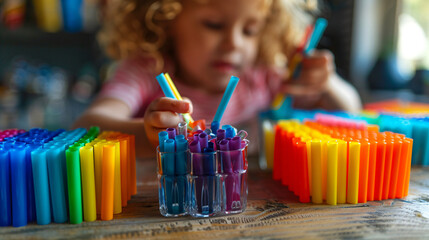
(74, 185)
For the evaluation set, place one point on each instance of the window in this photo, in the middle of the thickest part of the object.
(413, 38)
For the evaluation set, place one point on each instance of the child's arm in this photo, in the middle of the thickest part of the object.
(341, 95)
(113, 114)
(319, 86)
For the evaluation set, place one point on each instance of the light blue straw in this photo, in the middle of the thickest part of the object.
(41, 186)
(225, 99)
(319, 28)
(164, 86)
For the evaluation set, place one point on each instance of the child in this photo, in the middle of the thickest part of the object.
(201, 43)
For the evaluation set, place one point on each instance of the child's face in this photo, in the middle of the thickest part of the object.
(215, 40)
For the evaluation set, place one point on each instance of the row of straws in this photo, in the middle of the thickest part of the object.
(415, 126)
(339, 164)
(48, 175)
(10, 133)
(412, 126)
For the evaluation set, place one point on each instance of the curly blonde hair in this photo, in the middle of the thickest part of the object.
(135, 27)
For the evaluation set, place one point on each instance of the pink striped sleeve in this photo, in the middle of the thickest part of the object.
(131, 83)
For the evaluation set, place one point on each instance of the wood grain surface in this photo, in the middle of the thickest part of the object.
(272, 213)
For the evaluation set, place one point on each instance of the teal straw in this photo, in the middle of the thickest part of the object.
(319, 28)
(164, 86)
(225, 99)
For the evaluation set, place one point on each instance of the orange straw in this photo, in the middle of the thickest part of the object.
(379, 169)
(407, 172)
(396, 160)
(124, 159)
(387, 168)
(132, 161)
(363, 171)
(107, 176)
(403, 165)
(372, 166)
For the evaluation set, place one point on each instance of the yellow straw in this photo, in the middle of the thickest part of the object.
(176, 93)
(331, 195)
(316, 171)
(324, 161)
(98, 157)
(280, 98)
(353, 181)
(117, 201)
(88, 183)
(342, 172)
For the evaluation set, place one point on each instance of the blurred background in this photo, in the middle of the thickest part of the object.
(51, 66)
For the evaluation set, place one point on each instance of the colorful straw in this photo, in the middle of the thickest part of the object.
(295, 64)
(163, 83)
(225, 99)
(88, 189)
(319, 28)
(170, 91)
(176, 93)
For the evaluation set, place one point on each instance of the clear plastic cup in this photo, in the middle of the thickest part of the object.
(173, 189)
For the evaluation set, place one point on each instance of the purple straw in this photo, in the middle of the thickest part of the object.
(220, 134)
(230, 177)
(235, 143)
(195, 147)
(197, 134)
(236, 155)
(196, 137)
(171, 133)
(196, 158)
(225, 155)
(203, 139)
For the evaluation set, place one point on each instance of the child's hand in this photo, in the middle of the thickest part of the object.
(312, 81)
(163, 113)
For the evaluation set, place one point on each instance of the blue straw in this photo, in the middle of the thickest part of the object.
(214, 126)
(169, 155)
(230, 132)
(180, 163)
(57, 183)
(164, 86)
(18, 181)
(5, 195)
(41, 186)
(319, 28)
(31, 205)
(225, 99)
(162, 136)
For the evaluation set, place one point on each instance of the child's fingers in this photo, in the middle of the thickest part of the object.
(162, 119)
(172, 105)
(191, 110)
(302, 90)
(318, 58)
(313, 77)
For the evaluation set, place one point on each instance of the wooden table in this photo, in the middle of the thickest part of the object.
(272, 213)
